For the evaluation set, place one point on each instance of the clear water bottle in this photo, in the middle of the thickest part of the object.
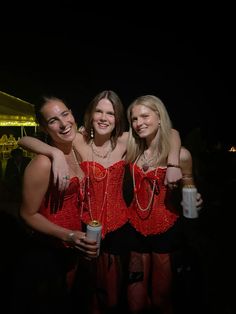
(189, 199)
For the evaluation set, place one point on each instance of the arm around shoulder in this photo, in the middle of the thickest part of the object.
(37, 146)
(59, 164)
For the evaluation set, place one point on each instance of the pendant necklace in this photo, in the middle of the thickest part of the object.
(143, 209)
(146, 162)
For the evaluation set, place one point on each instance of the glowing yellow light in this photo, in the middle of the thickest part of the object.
(15, 112)
(232, 149)
(17, 120)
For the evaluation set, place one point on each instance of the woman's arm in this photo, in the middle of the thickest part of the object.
(35, 184)
(173, 173)
(186, 164)
(59, 165)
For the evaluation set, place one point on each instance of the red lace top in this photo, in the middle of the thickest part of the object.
(161, 215)
(63, 209)
(104, 199)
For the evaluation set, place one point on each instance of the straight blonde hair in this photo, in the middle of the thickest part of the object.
(137, 145)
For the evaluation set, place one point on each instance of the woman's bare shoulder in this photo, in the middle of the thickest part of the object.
(38, 170)
(42, 162)
(123, 138)
(79, 141)
(79, 138)
(185, 154)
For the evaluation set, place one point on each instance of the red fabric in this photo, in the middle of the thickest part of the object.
(111, 210)
(68, 216)
(161, 215)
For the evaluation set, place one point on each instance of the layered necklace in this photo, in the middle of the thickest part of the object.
(136, 191)
(146, 163)
(106, 149)
(82, 182)
(104, 156)
(74, 164)
(72, 161)
(98, 178)
(99, 218)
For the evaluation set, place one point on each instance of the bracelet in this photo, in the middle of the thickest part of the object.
(173, 165)
(187, 176)
(71, 237)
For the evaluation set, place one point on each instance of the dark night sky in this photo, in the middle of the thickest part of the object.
(188, 63)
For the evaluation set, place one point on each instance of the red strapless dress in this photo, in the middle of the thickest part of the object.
(161, 215)
(104, 199)
(67, 213)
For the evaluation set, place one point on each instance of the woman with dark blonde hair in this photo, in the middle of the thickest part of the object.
(152, 213)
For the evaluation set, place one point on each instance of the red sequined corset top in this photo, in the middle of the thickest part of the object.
(159, 216)
(104, 199)
(63, 209)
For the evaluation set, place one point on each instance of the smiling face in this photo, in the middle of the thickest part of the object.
(103, 118)
(58, 121)
(145, 121)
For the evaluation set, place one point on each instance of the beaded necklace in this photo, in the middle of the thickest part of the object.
(73, 164)
(74, 156)
(82, 182)
(147, 163)
(135, 189)
(88, 191)
(98, 179)
(97, 153)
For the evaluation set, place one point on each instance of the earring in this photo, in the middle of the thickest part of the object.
(91, 133)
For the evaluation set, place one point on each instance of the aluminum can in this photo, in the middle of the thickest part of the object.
(94, 232)
(189, 199)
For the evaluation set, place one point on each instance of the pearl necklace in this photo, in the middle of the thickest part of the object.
(108, 154)
(135, 190)
(88, 191)
(98, 179)
(82, 182)
(74, 156)
(72, 162)
(146, 162)
(97, 153)
(74, 165)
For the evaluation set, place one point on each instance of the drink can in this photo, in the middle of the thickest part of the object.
(189, 199)
(94, 232)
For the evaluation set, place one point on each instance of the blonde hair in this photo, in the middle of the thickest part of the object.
(137, 145)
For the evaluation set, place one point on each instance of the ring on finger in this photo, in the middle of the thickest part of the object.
(66, 177)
